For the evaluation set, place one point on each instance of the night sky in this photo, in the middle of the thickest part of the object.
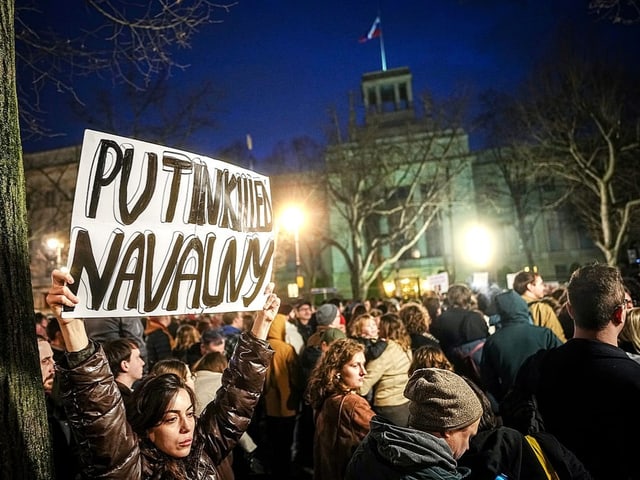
(281, 64)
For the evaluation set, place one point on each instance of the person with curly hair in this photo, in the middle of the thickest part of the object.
(417, 320)
(341, 415)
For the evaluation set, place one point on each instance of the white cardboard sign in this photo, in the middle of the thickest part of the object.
(159, 231)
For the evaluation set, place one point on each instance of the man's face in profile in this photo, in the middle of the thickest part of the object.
(46, 365)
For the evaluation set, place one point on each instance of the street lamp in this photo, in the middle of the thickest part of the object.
(55, 245)
(479, 246)
(292, 220)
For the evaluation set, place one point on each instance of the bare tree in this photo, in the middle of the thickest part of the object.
(145, 36)
(306, 192)
(583, 119)
(162, 112)
(624, 12)
(130, 42)
(515, 181)
(388, 185)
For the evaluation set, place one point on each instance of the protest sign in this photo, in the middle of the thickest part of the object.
(439, 282)
(159, 231)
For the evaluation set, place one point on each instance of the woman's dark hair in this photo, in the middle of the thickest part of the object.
(151, 399)
(357, 310)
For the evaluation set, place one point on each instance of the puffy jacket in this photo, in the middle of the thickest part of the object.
(109, 447)
(387, 375)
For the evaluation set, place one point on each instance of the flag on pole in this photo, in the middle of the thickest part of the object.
(374, 32)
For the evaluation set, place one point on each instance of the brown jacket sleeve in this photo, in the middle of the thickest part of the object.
(108, 447)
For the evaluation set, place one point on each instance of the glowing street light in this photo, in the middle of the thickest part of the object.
(292, 219)
(55, 245)
(479, 246)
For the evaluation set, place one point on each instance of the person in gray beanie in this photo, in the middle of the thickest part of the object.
(444, 414)
(327, 314)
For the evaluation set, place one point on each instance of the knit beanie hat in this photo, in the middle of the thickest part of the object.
(440, 400)
(326, 314)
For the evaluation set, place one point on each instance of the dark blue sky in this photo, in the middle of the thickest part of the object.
(282, 63)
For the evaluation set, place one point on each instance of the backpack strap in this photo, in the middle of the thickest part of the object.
(542, 458)
(475, 349)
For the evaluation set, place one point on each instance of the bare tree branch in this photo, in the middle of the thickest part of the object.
(388, 188)
(124, 41)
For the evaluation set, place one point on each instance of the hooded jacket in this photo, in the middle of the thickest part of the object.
(389, 452)
(507, 349)
(109, 447)
(283, 388)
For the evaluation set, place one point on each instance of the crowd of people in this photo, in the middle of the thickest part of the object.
(527, 384)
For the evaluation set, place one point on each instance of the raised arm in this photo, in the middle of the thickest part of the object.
(75, 335)
(72, 329)
(264, 318)
(96, 413)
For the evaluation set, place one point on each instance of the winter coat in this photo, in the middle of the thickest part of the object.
(373, 348)
(205, 387)
(388, 375)
(423, 339)
(159, 342)
(341, 424)
(109, 447)
(506, 350)
(543, 315)
(588, 394)
(284, 387)
(506, 451)
(389, 452)
(462, 334)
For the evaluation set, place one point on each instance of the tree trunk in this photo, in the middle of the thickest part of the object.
(25, 451)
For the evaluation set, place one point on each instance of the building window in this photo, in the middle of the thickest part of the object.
(434, 238)
(562, 273)
(556, 241)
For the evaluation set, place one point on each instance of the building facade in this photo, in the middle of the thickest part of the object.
(402, 199)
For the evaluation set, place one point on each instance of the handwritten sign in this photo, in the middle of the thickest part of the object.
(439, 282)
(159, 231)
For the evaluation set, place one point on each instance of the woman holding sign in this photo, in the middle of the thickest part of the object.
(161, 438)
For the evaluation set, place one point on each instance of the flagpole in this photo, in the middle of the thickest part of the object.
(383, 56)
